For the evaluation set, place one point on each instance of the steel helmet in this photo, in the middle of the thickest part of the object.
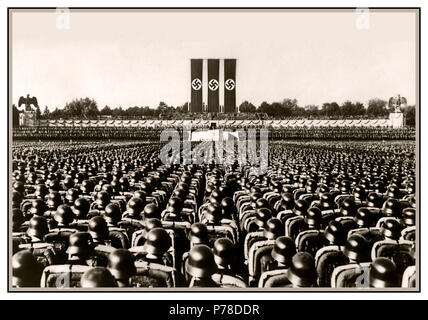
(81, 208)
(364, 217)
(158, 241)
(348, 207)
(313, 217)
(64, 215)
(112, 213)
(288, 200)
(152, 223)
(359, 193)
(373, 200)
(175, 205)
(97, 228)
(228, 207)
(300, 207)
(198, 233)
(80, 244)
(262, 216)
(24, 269)
(68, 182)
(180, 193)
(392, 208)
(151, 210)
(213, 212)
(201, 263)
(391, 229)
(335, 233)
(140, 194)
(262, 203)
(383, 274)
(103, 199)
(38, 207)
(54, 200)
(71, 195)
(409, 216)
(224, 252)
(87, 187)
(19, 186)
(135, 206)
(41, 191)
(273, 229)
(357, 248)
(38, 227)
(302, 272)
(326, 201)
(98, 277)
(393, 192)
(121, 264)
(283, 250)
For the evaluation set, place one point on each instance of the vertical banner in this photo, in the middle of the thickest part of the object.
(213, 85)
(229, 85)
(196, 85)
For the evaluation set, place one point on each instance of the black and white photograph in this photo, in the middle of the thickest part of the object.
(213, 150)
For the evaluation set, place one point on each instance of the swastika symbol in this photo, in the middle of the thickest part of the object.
(229, 84)
(196, 84)
(213, 84)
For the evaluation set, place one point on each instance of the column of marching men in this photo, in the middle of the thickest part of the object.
(115, 216)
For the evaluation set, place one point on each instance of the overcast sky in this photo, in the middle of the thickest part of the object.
(141, 58)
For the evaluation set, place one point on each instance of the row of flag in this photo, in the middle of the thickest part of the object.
(213, 84)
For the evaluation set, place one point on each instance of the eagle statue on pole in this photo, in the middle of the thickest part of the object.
(396, 103)
(27, 102)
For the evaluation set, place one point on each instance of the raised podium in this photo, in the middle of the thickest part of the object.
(397, 119)
(27, 119)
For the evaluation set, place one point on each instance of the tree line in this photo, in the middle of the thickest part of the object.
(87, 108)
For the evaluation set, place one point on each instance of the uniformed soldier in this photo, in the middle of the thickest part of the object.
(151, 211)
(282, 253)
(391, 208)
(81, 208)
(38, 207)
(301, 273)
(81, 251)
(200, 266)
(225, 256)
(64, 217)
(156, 247)
(121, 265)
(37, 229)
(134, 208)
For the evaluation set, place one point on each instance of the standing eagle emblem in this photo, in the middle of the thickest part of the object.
(27, 102)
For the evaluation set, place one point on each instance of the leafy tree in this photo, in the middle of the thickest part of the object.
(82, 108)
(38, 112)
(359, 109)
(46, 113)
(330, 109)
(312, 110)
(410, 115)
(106, 111)
(247, 107)
(184, 108)
(377, 107)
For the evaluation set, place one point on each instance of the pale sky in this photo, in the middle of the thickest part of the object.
(140, 58)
